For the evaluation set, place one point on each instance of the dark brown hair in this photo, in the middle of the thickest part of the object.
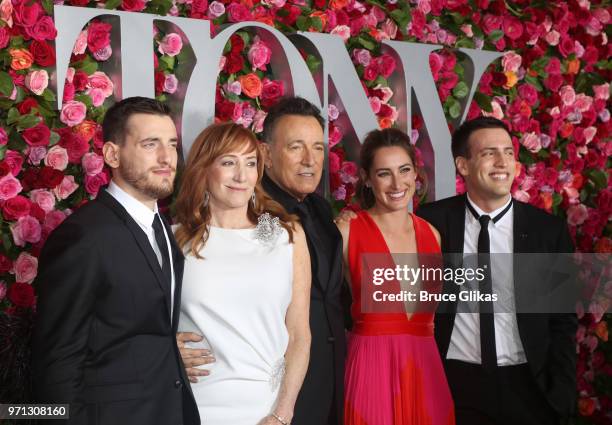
(461, 136)
(375, 140)
(117, 116)
(289, 106)
(192, 215)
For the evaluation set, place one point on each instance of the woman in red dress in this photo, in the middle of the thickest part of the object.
(394, 375)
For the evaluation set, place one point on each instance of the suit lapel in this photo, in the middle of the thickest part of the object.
(141, 240)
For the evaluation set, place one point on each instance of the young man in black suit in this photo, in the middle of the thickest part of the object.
(502, 368)
(110, 287)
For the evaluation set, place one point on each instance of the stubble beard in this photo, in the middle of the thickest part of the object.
(142, 182)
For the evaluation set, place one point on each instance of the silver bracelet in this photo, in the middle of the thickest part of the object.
(280, 419)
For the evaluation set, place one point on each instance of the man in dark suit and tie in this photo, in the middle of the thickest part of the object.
(109, 288)
(502, 368)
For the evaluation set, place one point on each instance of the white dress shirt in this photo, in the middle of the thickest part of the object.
(465, 338)
(144, 216)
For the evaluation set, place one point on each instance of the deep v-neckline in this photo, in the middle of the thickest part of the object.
(409, 316)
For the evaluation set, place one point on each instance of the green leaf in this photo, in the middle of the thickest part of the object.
(458, 18)
(525, 157)
(87, 65)
(48, 95)
(54, 138)
(6, 241)
(12, 116)
(496, 35)
(313, 63)
(48, 6)
(27, 121)
(316, 23)
(6, 84)
(245, 37)
(556, 201)
(366, 43)
(402, 18)
(599, 177)
(465, 43)
(168, 62)
(3, 149)
(483, 101)
(454, 108)
(303, 23)
(461, 90)
(534, 81)
(112, 4)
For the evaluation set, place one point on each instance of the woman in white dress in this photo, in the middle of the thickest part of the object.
(246, 284)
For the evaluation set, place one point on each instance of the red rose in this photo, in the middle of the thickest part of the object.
(73, 143)
(27, 105)
(491, 23)
(79, 2)
(237, 12)
(98, 36)
(26, 15)
(44, 55)
(224, 110)
(14, 160)
(37, 135)
(591, 55)
(4, 168)
(21, 294)
(370, 72)
(16, 207)
(68, 92)
(160, 78)
(5, 264)
(553, 82)
(271, 92)
(198, 8)
(237, 44)
(4, 37)
(386, 65)
(80, 81)
(234, 63)
(499, 79)
(50, 177)
(566, 46)
(512, 27)
(290, 13)
(133, 5)
(94, 183)
(43, 29)
(37, 212)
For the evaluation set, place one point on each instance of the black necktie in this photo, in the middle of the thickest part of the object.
(487, 322)
(160, 238)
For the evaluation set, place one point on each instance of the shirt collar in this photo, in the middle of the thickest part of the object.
(288, 201)
(490, 214)
(136, 209)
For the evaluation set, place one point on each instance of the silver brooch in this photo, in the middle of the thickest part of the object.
(268, 229)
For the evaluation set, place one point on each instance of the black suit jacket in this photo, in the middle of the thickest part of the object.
(328, 346)
(103, 340)
(548, 339)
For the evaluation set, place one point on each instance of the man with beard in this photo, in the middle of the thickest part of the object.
(109, 288)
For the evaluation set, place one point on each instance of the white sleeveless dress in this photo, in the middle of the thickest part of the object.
(237, 298)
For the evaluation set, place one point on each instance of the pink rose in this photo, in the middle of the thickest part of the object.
(601, 91)
(370, 72)
(37, 81)
(52, 220)
(57, 157)
(26, 267)
(343, 31)
(81, 43)
(9, 187)
(171, 44)
(258, 120)
(552, 38)
(103, 53)
(335, 136)
(529, 93)
(65, 188)
(14, 160)
(583, 102)
(386, 65)
(577, 214)
(43, 198)
(27, 229)
(568, 95)
(384, 93)
(99, 80)
(73, 113)
(375, 104)
(3, 137)
(43, 29)
(36, 154)
(491, 23)
(97, 97)
(233, 88)
(511, 62)
(589, 134)
(6, 14)
(237, 12)
(362, 57)
(170, 83)
(92, 163)
(259, 55)
(2, 290)
(340, 193)
(531, 141)
(390, 28)
(68, 92)
(94, 183)
(215, 9)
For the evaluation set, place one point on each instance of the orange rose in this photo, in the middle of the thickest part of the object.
(511, 79)
(604, 245)
(22, 59)
(547, 200)
(573, 66)
(338, 4)
(586, 406)
(385, 123)
(601, 330)
(251, 85)
(86, 129)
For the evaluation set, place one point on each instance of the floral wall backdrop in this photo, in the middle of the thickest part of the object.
(551, 86)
